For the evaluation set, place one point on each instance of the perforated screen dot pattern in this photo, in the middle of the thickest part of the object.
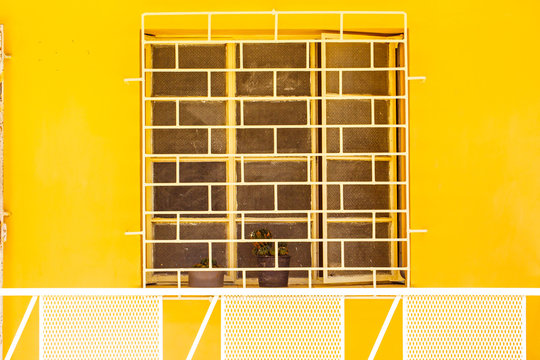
(100, 327)
(464, 327)
(284, 327)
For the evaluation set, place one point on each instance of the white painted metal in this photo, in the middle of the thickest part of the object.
(101, 327)
(22, 325)
(202, 327)
(179, 217)
(464, 327)
(384, 328)
(323, 291)
(282, 327)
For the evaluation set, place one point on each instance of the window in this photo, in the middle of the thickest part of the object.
(303, 136)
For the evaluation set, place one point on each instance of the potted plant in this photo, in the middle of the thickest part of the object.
(206, 278)
(265, 252)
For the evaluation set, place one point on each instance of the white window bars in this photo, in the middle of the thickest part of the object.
(343, 205)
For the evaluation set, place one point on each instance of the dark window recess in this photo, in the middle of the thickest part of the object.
(273, 113)
(254, 141)
(202, 112)
(277, 171)
(348, 112)
(293, 140)
(201, 56)
(163, 113)
(180, 141)
(273, 56)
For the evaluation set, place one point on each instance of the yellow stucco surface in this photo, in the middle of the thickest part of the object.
(72, 145)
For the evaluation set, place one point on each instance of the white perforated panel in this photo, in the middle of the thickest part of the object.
(464, 327)
(284, 327)
(100, 327)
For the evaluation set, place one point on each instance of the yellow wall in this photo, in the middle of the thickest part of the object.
(72, 153)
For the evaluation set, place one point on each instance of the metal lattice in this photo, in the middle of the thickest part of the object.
(282, 327)
(464, 327)
(100, 327)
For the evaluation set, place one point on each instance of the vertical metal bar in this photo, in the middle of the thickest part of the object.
(179, 277)
(374, 273)
(178, 227)
(209, 83)
(340, 82)
(210, 198)
(275, 140)
(307, 55)
(341, 196)
(177, 113)
(274, 82)
(241, 55)
(244, 279)
(371, 55)
(209, 140)
(210, 255)
(407, 170)
(372, 111)
(143, 151)
(243, 223)
(176, 56)
(372, 168)
(22, 325)
(202, 327)
(308, 112)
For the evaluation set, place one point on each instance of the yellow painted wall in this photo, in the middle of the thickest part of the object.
(72, 154)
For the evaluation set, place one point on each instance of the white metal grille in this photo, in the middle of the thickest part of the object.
(323, 118)
(464, 327)
(282, 327)
(100, 327)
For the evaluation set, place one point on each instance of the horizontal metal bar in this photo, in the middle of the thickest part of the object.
(328, 291)
(217, 212)
(311, 268)
(299, 126)
(274, 12)
(270, 41)
(253, 183)
(228, 155)
(212, 70)
(312, 240)
(273, 98)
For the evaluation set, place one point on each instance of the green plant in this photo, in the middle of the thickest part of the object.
(204, 263)
(266, 248)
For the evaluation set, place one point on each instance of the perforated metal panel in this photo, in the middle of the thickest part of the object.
(282, 327)
(464, 327)
(100, 327)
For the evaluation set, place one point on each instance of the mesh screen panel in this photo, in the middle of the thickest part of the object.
(464, 327)
(284, 327)
(100, 327)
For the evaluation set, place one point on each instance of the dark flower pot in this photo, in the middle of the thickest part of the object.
(274, 278)
(206, 278)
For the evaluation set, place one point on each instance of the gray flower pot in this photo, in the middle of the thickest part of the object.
(206, 278)
(274, 278)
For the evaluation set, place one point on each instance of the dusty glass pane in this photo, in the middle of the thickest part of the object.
(293, 83)
(294, 197)
(180, 141)
(254, 83)
(163, 113)
(284, 55)
(293, 140)
(162, 56)
(380, 54)
(255, 197)
(347, 55)
(204, 171)
(202, 113)
(254, 141)
(348, 112)
(349, 170)
(365, 140)
(179, 84)
(164, 172)
(366, 197)
(277, 171)
(201, 56)
(180, 198)
(274, 113)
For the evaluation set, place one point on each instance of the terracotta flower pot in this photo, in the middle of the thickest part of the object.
(274, 278)
(206, 278)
